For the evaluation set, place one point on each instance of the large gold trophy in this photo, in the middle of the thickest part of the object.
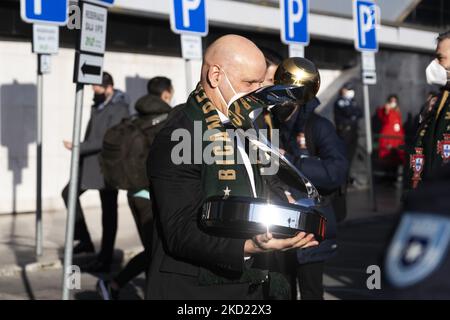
(297, 82)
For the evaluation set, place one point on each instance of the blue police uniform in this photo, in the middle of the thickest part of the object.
(417, 261)
(346, 116)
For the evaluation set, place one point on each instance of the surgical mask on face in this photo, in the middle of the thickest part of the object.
(236, 94)
(437, 74)
(393, 105)
(350, 94)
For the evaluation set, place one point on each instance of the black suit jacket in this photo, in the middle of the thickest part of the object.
(182, 252)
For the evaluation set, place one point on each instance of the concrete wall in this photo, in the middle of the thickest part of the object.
(18, 117)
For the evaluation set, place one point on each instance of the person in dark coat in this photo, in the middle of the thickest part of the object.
(109, 108)
(187, 262)
(153, 110)
(432, 143)
(346, 116)
(313, 147)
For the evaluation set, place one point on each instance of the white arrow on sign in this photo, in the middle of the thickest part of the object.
(38, 7)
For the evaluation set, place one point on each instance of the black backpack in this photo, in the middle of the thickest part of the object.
(338, 198)
(125, 150)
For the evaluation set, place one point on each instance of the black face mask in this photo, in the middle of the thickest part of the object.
(283, 112)
(99, 98)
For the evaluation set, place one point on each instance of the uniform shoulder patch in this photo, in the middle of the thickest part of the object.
(419, 246)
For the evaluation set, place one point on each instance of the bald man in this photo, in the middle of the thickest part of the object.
(187, 262)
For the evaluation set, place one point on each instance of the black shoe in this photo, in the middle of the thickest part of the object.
(96, 266)
(105, 290)
(84, 247)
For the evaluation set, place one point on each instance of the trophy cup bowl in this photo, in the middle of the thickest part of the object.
(297, 82)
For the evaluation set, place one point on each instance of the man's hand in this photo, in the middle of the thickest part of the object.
(266, 243)
(68, 145)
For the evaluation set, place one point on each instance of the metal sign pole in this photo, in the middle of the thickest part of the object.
(188, 69)
(73, 191)
(40, 88)
(369, 147)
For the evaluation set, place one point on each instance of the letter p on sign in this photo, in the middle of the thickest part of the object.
(294, 25)
(189, 17)
(366, 15)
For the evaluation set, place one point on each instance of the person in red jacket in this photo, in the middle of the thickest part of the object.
(392, 134)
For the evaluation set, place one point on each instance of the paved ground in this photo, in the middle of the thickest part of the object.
(362, 238)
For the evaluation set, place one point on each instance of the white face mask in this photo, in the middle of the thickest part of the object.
(437, 74)
(236, 94)
(393, 105)
(350, 94)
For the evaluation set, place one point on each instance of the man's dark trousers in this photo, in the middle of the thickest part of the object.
(108, 198)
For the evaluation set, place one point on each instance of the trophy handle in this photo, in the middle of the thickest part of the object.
(275, 154)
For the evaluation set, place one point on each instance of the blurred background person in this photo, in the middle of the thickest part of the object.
(153, 110)
(109, 108)
(273, 60)
(414, 119)
(432, 146)
(391, 141)
(346, 116)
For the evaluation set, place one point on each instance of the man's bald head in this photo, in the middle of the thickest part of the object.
(236, 58)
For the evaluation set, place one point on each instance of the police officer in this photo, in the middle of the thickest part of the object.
(418, 258)
(346, 116)
(432, 147)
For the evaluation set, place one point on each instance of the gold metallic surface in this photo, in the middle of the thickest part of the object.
(299, 72)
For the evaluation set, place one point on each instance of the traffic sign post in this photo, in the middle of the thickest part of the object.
(188, 18)
(46, 16)
(105, 3)
(296, 50)
(93, 29)
(366, 16)
(294, 25)
(88, 70)
(44, 63)
(45, 11)
(45, 39)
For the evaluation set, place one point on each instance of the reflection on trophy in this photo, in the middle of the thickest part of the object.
(297, 82)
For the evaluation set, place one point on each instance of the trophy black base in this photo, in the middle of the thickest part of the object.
(243, 218)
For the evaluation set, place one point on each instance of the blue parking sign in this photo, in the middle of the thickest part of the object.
(365, 19)
(105, 3)
(189, 17)
(45, 11)
(294, 25)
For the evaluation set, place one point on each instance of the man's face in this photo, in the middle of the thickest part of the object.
(98, 90)
(242, 79)
(167, 96)
(443, 53)
(269, 79)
